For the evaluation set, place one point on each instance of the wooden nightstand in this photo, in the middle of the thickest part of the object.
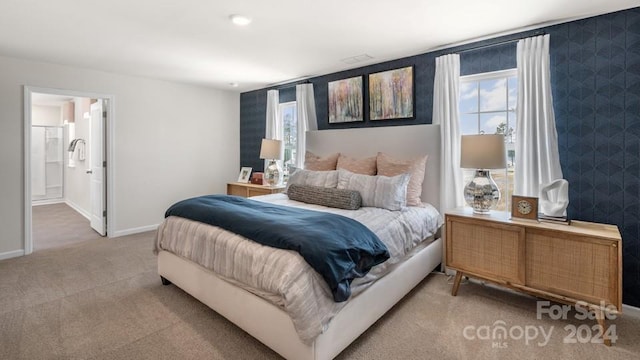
(249, 190)
(564, 263)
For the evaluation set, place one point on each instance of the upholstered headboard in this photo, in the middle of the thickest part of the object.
(404, 142)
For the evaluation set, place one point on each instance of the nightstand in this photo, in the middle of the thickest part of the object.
(581, 262)
(249, 190)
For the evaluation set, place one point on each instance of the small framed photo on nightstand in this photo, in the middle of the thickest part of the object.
(245, 174)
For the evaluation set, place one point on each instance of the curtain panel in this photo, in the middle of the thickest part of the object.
(537, 156)
(446, 93)
(274, 129)
(307, 120)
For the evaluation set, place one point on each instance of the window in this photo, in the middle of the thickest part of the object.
(289, 118)
(488, 106)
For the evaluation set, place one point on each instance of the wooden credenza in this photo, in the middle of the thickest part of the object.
(581, 262)
(249, 190)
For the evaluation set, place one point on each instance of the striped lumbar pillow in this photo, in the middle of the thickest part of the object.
(331, 197)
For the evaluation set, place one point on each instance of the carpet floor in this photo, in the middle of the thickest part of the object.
(57, 225)
(103, 299)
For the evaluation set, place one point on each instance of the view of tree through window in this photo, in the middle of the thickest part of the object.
(488, 106)
(289, 118)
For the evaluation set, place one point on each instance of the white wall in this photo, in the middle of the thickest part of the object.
(76, 179)
(46, 115)
(172, 141)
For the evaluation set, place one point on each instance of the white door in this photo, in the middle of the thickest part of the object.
(96, 170)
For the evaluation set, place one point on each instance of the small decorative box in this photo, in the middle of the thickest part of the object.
(257, 178)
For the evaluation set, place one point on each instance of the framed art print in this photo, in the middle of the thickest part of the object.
(345, 100)
(391, 94)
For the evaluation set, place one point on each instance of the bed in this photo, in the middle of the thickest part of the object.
(264, 318)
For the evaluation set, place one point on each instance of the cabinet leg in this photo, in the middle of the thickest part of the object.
(456, 283)
(603, 328)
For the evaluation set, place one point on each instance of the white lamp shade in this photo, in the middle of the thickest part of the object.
(272, 149)
(483, 152)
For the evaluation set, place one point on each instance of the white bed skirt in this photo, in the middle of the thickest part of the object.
(273, 327)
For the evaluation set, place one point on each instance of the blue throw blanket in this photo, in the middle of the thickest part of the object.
(338, 248)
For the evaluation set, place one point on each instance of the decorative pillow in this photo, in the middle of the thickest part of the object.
(293, 169)
(389, 166)
(366, 166)
(331, 197)
(377, 191)
(328, 179)
(317, 163)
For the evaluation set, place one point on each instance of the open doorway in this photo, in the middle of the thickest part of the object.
(66, 152)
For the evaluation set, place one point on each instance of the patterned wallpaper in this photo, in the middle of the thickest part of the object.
(596, 88)
(595, 74)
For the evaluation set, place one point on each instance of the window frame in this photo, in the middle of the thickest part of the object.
(493, 75)
(281, 107)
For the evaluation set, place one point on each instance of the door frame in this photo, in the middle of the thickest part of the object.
(109, 154)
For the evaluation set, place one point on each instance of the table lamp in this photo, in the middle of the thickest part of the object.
(482, 152)
(272, 150)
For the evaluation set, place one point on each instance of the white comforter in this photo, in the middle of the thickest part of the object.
(282, 276)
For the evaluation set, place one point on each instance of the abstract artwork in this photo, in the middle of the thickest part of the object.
(345, 100)
(391, 94)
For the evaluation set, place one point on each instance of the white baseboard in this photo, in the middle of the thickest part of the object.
(632, 311)
(133, 231)
(46, 202)
(17, 253)
(78, 209)
(11, 254)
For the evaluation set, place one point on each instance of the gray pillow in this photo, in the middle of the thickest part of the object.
(378, 191)
(315, 178)
(331, 197)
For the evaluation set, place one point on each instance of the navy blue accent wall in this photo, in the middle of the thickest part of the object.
(253, 114)
(595, 75)
(287, 94)
(595, 66)
(493, 58)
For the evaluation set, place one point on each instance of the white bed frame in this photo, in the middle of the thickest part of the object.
(273, 326)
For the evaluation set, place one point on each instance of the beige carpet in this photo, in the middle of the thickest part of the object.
(57, 225)
(103, 300)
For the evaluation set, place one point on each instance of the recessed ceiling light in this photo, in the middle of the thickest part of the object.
(233, 84)
(240, 20)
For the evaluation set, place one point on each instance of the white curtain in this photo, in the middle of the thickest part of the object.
(274, 125)
(274, 129)
(537, 157)
(307, 121)
(445, 113)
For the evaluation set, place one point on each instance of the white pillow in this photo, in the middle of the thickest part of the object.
(314, 178)
(378, 191)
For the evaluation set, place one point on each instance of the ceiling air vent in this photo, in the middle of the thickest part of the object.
(356, 59)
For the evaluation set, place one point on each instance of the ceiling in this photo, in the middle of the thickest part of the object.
(193, 41)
